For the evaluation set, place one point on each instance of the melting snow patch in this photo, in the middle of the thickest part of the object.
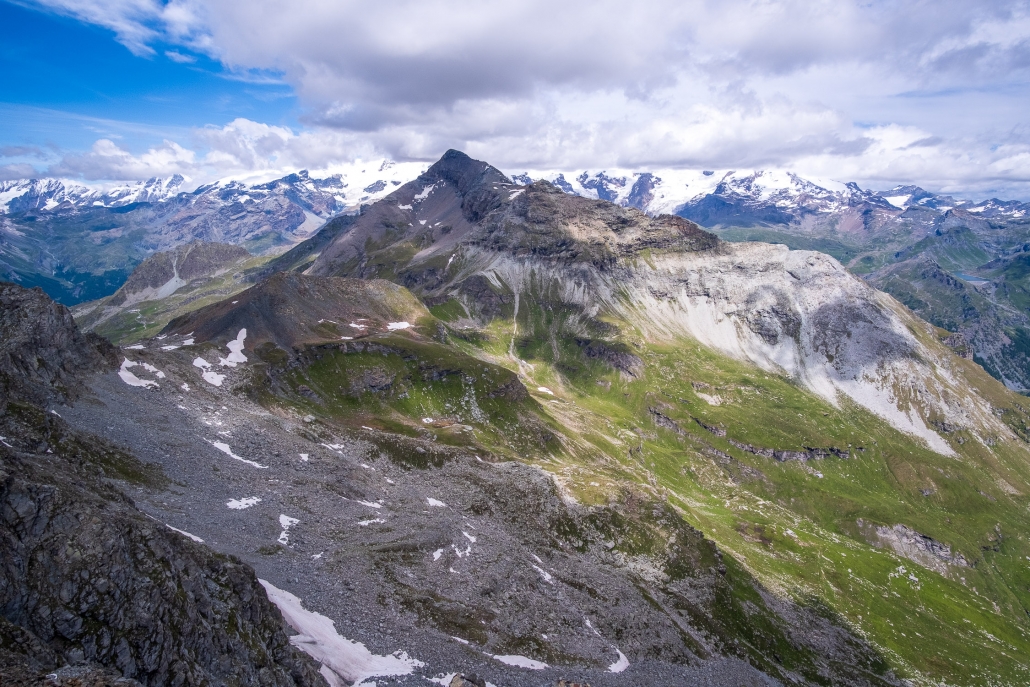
(519, 661)
(134, 347)
(211, 377)
(169, 347)
(366, 523)
(188, 342)
(244, 503)
(236, 348)
(186, 534)
(185, 386)
(3, 440)
(469, 536)
(286, 522)
(130, 378)
(370, 504)
(437, 554)
(394, 326)
(304, 457)
(224, 448)
(619, 665)
(516, 194)
(544, 390)
(150, 368)
(434, 502)
(235, 351)
(358, 326)
(544, 574)
(404, 207)
(344, 659)
(425, 192)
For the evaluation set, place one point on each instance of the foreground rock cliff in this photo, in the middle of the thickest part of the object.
(91, 589)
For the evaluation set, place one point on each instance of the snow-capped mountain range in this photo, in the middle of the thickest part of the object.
(60, 194)
(332, 194)
(772, 196)
(80, 242)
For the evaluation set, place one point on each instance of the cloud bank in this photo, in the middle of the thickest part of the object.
(878, 92)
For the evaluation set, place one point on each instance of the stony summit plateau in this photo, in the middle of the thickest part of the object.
(493, 433)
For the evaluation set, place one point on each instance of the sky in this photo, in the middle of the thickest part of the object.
(933, 93)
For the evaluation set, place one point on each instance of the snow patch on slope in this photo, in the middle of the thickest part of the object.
(343, 660)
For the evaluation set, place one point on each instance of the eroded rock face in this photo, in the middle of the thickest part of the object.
(42, 352)
(919, 548)
(789, 312)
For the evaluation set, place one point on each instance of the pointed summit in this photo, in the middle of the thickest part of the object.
(464, 172)
(461, 204)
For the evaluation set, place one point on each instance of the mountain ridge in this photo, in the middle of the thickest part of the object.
(537, 239)
(588, 382)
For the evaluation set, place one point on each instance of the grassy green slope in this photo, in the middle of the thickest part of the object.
(805, 529)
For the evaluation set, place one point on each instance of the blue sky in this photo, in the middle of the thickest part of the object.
(67, 83)
(908, 91)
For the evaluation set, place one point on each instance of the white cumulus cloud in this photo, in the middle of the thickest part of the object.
(909, 91)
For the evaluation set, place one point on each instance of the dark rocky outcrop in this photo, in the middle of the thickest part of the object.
(87, 581)
(90, 578)
(42, 352)
(488, 301)
(784, 455)
(615, 354)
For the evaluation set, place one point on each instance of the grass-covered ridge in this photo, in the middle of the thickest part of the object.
(805, 528)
